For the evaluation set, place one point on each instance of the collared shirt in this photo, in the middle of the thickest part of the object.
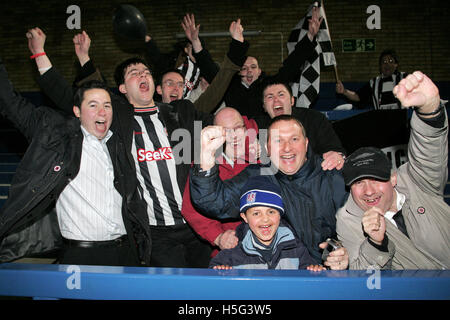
(90, 208)
(400, 201)
(245, 84)
(228, 160)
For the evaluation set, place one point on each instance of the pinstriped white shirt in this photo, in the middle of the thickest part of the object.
(90, 208)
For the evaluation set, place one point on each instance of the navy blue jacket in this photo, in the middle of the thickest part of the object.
(311, 197)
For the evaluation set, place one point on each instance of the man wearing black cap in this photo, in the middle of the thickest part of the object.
(399, 220)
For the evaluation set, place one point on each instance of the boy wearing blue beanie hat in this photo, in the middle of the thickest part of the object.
(268, 243)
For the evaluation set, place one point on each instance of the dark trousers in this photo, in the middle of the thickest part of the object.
(178, 247)
(117, 255)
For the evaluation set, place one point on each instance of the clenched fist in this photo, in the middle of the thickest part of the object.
(212, 138)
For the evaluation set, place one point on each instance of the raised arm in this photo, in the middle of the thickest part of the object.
(36, 41)
(202, 58)
(232, 63)
(191, 31)
(304, 50)
(51, 81)
(212, 196)
(82, 43)
(22, 113)
(428, 143)
(314, 23)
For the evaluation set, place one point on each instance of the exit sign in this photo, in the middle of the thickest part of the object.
(358, 45)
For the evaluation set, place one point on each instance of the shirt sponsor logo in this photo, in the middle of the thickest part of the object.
(164, 153)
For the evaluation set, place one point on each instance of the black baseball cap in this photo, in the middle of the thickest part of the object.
(366, 162)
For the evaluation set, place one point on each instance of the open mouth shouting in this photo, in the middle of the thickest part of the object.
(144, 86)
(101, 127)
(173, 97)
(278, 110)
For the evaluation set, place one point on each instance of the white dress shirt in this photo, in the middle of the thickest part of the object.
(401, 198)
(90, 208)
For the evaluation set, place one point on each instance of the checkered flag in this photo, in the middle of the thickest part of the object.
(307, 89)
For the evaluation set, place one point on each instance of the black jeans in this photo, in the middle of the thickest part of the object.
(178, 247)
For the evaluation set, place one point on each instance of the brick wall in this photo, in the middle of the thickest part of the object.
(417, 30)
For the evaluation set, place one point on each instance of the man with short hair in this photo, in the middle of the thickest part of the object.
(377, 93)
(399, 220)
(79, 164)
(171, 86)
(240, 150)
(312, 195)
(244, 92)
(147, 128)
(149, 132)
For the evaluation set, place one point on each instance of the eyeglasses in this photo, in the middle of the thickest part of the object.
(390, 61)
(239, 128)
(171, 83)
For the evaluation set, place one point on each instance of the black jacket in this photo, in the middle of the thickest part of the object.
(249, 101)
(180, 114)
(319, 130)
(50, 162)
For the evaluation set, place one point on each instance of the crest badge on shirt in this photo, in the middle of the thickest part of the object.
(251, 197)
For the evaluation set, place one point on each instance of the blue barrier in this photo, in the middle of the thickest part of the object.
(101, 282)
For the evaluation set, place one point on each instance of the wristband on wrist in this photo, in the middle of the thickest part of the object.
(37, 55)
(438, 110)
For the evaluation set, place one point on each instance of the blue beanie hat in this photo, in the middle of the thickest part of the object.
(260, 191)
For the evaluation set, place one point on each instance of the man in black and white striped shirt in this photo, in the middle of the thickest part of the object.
(377, 93)
(161, 175)
(161, 171)
(152, 133)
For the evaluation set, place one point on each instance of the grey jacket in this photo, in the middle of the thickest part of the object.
(427, 217)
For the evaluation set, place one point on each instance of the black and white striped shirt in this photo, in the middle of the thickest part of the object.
(383, 98)
(191, 76)
(156, 168)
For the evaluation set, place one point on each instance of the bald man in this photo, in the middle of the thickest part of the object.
(237, 154)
